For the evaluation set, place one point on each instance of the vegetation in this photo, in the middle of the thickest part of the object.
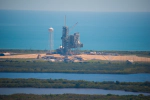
(22, 51)
(28, 65)
(61, 83)
(138, 53)
(71, 97)
(27, 51)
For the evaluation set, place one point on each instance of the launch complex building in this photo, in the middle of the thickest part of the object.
(70, 43)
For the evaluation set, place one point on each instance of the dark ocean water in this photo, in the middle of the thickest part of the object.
(98, 31)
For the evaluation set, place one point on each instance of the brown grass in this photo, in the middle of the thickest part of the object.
(115, 58)
(88, 57)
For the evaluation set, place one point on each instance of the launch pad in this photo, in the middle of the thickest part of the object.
(70, 43)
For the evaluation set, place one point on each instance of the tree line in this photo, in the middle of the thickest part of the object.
(73, 67)
(138, 53)
(62, 83)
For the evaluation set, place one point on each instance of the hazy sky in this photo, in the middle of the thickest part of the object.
(78, 5)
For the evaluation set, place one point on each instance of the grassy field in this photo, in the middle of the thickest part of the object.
(31, 65)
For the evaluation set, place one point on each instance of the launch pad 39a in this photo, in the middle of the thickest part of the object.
(70, 43)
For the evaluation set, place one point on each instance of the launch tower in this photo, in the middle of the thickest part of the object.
(69, 42)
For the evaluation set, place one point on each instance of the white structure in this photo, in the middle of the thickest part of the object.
(5, 54)
(51, 30)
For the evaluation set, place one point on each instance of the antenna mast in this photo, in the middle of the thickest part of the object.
(65, 20)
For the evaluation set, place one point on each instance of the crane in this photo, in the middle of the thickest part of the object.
(73, 26)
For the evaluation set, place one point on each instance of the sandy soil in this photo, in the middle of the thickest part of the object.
(88, 57)
(28, 56)
(115, 58)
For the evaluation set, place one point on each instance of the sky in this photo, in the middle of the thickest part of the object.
(77, 5)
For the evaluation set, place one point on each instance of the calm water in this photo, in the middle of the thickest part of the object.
(9, 91)
(87, 77)
(98, 31)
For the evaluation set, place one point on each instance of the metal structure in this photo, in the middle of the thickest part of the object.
(69, 41)
(51, 30)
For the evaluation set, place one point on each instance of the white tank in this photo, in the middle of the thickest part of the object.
(51, 29)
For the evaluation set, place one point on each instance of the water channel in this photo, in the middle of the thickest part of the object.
(9, 91)
(88, 77)
(74, 76)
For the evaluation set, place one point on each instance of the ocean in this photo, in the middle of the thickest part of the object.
(98, 30)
